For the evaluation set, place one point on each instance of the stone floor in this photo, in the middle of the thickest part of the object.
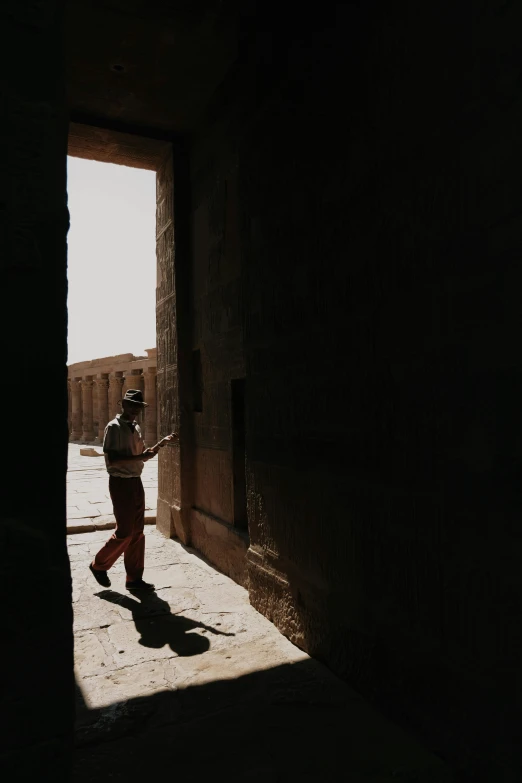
(89, 504)
(191, 683)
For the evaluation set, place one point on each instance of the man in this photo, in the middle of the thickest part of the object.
(125, 455)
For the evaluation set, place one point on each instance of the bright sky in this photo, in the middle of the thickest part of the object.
(112, 260)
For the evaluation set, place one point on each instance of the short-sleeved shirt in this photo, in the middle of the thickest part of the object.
(124, 438)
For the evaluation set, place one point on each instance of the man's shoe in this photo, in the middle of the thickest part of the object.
(139, 584)
(100, 576)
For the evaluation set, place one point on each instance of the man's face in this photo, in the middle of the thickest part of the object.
(131, 410)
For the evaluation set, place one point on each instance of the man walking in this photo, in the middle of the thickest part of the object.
(125, 455)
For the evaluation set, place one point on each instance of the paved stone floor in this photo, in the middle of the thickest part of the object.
(89, 504)
(191, 683)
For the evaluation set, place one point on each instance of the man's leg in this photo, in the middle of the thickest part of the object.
(122, 496)
(135, 552)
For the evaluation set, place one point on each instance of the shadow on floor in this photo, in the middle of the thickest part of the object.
(294, 722)
(157, 625)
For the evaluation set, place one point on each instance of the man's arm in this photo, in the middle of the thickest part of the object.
(163, 442)
(115, 458)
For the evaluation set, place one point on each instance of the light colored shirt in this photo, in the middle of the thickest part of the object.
(124, 439)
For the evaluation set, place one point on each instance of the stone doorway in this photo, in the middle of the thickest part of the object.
(108, 146)
(202, 493)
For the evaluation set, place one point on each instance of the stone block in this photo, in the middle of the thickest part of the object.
(224, 546)
(82, 513)
(92, 612)
(164, 518)
(80, 526)
(91, 655)
(139, 680)
(129, 648)
(167, 576)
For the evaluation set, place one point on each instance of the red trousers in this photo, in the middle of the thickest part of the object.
(128, 501)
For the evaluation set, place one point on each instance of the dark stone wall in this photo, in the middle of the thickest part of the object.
(37, 645)
(350, 248)
(217, 349)
(357, 237)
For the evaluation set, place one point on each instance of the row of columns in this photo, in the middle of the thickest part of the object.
(94, 401)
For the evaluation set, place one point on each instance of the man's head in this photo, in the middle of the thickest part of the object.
(133, 403)
(131, 410)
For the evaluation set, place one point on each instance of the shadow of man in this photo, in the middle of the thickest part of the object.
(157, 625)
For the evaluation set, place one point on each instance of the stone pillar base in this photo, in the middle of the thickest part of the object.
(220, 543)
(164, 519)
(170, 522)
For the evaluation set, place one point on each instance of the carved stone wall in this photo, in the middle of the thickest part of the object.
(377, 313)
(173, 503)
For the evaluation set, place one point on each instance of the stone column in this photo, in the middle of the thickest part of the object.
(69, 407)
(76, 409)
(136, 382)
(151, 426)
(102, 385)
(127, 382)
(115, 395)
(133, 380)
(88, 434)
(95, 416)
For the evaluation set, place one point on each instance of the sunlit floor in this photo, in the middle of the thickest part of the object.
(193, 680)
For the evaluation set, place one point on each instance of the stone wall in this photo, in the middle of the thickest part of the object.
(356, 238)
(37, 640)
(219, 513)
(344, 312)
(96, 388)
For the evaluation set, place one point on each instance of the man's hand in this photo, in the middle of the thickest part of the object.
(148, 454)
(168, 439)
(164, 441)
